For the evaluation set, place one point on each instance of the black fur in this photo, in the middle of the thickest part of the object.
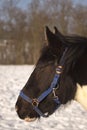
(74, 71)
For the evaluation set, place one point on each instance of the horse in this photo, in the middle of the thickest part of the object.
(59, 76)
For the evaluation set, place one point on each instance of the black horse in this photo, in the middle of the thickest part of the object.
(60, 75)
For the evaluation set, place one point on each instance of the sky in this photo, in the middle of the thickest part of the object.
(23, 4)
(83, 2)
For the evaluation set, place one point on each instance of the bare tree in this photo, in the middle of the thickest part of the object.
(24, 29)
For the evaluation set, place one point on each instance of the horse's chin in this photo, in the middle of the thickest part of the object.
(28, 119)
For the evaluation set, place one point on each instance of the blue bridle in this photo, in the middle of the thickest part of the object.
(35, 102)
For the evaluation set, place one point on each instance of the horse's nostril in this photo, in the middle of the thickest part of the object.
(16, 108)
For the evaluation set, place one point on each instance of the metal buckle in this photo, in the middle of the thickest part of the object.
(54, 92)
(59, 69)
(35, 102)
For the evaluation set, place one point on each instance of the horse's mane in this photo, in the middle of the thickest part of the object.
(77, 46)
(75, 39)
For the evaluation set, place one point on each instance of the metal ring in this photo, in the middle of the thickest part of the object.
(35, 102)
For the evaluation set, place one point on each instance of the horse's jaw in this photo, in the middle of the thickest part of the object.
(81, 95)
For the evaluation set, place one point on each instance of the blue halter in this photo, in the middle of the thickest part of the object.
(35, 102)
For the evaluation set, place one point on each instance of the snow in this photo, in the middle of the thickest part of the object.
(72, 116)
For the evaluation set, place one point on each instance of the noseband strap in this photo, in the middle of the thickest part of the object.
(35, 102)
(35, 107)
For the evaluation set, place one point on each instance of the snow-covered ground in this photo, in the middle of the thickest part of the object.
(12, 79)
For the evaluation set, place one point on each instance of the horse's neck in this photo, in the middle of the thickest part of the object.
(81, 95)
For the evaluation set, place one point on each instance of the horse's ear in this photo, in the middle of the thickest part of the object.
(52, 39)
(61, 36)
(56, 31)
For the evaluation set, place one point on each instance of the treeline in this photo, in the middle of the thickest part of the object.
(22, 30)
